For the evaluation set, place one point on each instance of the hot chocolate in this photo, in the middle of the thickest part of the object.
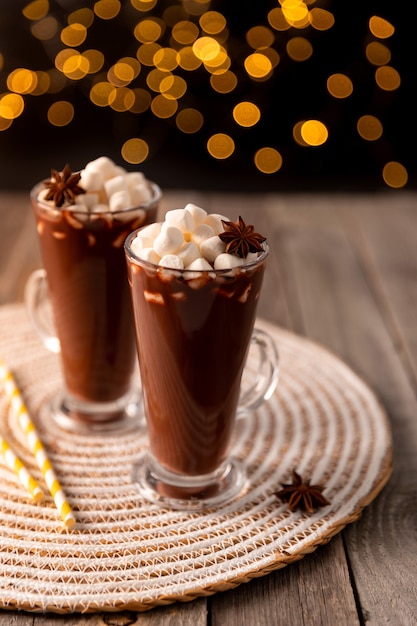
(195, 283)
(81, 234)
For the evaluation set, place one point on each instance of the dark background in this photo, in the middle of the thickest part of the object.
(297, 91)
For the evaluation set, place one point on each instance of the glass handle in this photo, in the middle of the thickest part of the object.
(267, 373)
(38, 307)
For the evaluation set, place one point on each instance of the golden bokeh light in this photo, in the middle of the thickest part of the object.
(220, 146)
(149, 30)
(166, 59)
(36, 10)
(224, 82)
(95, 60)
(121, 99)
(314, 132)
(75, 66)
(387, 78)
(142, 101)
(100, 93)
(45, 28)
(189, 120)
(146, 53)
(246, 114)
(320, 19)
(377, 53)
(299, 49)
(206, 49)
(185, 32)
(81, 16)
(295, 12)
(74, 35)
(187, 59)
(212, 22)
(60, 113)
(339, 86)
(43, 82)
(123, 72)
(135, 150)
(276, 19)
(5, 124)
(154, 79)
(297, 136)
(143, 5)
(369, 127)
(395, 175)
(259, 37)
(11, 106)
(173, 87)
(164, 107)
(258, 66)
(107, 9)
(268, 160)
(380, 27)
(22, 81)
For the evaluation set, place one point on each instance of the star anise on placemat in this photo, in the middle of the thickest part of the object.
(63, 186)
(240, 238)
(300, 494)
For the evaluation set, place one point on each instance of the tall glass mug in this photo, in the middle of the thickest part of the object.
(84, 278)
(194, 330)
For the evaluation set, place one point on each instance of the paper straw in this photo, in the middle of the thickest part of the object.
(15, 464)
(36, 446)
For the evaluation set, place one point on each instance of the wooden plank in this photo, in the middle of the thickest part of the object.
(313, 591)
(341, 310)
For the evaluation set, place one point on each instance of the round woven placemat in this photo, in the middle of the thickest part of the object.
(125, 553)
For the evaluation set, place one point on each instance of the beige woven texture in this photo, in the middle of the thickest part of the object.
(125, 553)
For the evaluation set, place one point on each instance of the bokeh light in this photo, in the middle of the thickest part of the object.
(236, 85)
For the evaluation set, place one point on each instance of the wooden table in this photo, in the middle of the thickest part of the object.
(343, 271)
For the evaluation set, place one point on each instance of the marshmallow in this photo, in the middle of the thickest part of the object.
(87, 199)
(188, 253)
(135, 178)
(119, 200)
(182, 219)
(147, 254)
(201, 233)
(104, 165)
(227, 261)
(91, 180)
(100, 208)
(139, 194)
(215, 221)
(211, 248)
(114, 184)
(151, 231)
(199, 265)
(197, 212)
(172, 261)
(169, 240)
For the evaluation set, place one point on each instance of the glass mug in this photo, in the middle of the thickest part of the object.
(194, 330)
(84, 279)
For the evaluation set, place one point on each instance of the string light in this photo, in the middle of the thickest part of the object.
(175, 52)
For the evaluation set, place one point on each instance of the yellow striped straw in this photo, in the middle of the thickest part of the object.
(36, 446)
(15, 464)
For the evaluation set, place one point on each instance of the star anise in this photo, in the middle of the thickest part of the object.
(240, 238)
(301, 494)
(63, 186)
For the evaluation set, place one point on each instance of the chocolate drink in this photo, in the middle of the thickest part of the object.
(192, 361)
(84, 260)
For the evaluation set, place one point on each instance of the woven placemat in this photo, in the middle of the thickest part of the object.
(126, 553)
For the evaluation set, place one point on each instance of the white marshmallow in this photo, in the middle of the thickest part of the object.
(119, 200)
(151, 231)
(88, 199)
(172, 261)
(91, 180)
(199, 265)
(252, 256)
(119, 171)
(188, 252)
(79, 207)
(201, 233)
(215, 221)
(147, 254)
(227, 261)
(114, 184)
(211, 248)
(180, 218)
(135, 178)
(139, 194)
(104, 165)
(169, 240)
(100, 208)
(197, 212)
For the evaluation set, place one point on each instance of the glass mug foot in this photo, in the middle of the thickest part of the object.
(75, 416)
(188, 493)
